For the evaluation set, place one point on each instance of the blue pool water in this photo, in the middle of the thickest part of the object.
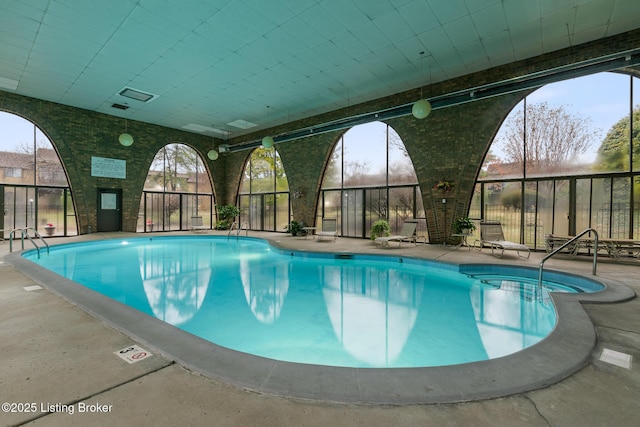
(327, 309)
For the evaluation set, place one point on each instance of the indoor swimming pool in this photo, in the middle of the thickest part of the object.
(342, 310)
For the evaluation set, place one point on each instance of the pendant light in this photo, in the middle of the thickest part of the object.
(125, 138)
(267, 141)
(422, 108)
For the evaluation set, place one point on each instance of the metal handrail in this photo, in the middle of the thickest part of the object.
(234, 226)
(25, 232)
(244, 226)
(564, 245)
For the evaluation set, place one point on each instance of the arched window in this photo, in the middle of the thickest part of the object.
(264, 192)
(565, 159)
(34, 189)
(177, 188)
(369, 177)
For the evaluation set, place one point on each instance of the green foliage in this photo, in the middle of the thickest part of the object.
(265, 172)
(613, 154)
(294, 227)
(511, 199)
(380, 228)
(463, 223)
(226, 216)
(555, 137)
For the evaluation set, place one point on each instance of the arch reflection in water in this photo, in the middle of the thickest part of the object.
(265, 289)
(372, 311)
(306, 308)
(175, 280)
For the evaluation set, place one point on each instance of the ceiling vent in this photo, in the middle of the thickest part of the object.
(136, 94)
(120, 106)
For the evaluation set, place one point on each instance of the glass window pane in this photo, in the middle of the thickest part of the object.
(636, 124)
(282, 184)
(178, 168)
(505, 158)
(620, 208)
(333, 173)
(601, 206)
(365, 155)
(400, 207)
(636, 207)
(401, 169)
(255, 211)
(503, 202)
(262, 171)
(371, 155)
(50, 211)
(332, 206)
(532, 229)
(570, 123)
(268, 212)
(265, 179)
(49, 170)
(243, 205)
(560, 208)
(245, 182)
(583, 206)
(282, 211)
(352, 212)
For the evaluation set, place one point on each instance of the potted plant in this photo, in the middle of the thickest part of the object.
(226, 215)
(443, 185)
(463, 225)
(294, 227)
(49, 229)
(380, 228)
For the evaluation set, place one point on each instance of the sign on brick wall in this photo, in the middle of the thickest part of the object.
(108, 168)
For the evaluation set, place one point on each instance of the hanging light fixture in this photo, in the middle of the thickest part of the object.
(212, 154)
(422, 108)
(267, 141)
(125, 138)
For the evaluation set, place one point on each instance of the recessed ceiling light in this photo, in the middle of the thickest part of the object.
(242, 124)
(201, 128)
(8, 83)
(136, 94)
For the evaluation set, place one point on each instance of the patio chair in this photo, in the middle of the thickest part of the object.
(329, 229)
(196, 224)
(407, 233)
(491, 235)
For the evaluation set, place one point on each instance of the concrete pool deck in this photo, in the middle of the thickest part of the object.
(55, 353)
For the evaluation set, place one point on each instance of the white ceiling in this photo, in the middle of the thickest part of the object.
(271, 61)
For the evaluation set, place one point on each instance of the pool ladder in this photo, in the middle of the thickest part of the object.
(564, 245)
(238, 229)
(24, 232)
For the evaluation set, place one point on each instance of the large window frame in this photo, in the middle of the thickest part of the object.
(34, 188)
(566, 203)
(357, 207)
(177, 188)
(264, 195)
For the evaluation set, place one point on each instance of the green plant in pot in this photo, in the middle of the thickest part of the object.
(463, 225)
(294, 227)
(226, 215)
(380, 228)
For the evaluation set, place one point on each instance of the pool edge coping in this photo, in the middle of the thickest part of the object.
(565, 351)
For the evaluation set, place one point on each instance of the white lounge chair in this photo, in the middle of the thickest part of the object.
(407, 234)
(196, 224)
(491, 235)
(329, 229)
